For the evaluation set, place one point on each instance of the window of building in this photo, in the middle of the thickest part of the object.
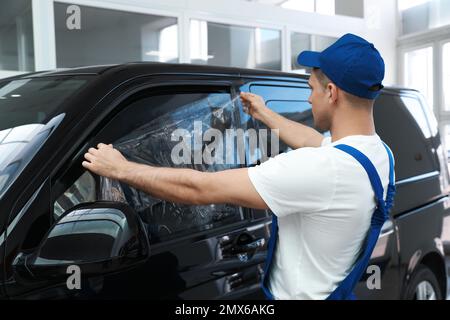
(446, 75)
(301, 42)
(16, 36)
(104, 36)
(421, 15)
(418, 72)
(234, 46)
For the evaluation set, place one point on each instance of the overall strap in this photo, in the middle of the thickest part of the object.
(374, 178)
(391, 186)
(270, 255)
(380, 215)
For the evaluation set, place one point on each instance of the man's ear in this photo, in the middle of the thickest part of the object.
(332, 91)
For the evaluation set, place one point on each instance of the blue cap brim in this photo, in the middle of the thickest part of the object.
(309, 59)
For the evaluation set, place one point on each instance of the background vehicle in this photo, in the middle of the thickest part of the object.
(54, 214)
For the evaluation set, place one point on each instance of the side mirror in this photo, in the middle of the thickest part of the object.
(101, 237)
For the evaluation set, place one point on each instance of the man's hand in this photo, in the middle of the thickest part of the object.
(254, 106)
(105, 161)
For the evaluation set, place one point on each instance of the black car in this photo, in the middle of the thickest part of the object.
(66, 233)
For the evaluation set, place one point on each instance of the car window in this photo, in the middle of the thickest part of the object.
(30, 110)
(175, 118)
(82, 190)
(415, 109)
(290, 102)
(159, 130)
(281, 92)
(401, 123)
(299, 111)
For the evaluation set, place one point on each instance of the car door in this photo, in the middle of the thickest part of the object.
(196, 252)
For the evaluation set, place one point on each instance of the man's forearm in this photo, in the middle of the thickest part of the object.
(175, 185)
(170, 184)
(294, 134)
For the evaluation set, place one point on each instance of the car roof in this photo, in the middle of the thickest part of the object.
(135, 69)
(148, 68)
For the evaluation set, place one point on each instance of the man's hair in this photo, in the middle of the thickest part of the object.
(324, 81)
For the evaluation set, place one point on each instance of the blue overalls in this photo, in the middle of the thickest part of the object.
(345, 289)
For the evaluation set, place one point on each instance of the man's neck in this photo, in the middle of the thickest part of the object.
(351, 122)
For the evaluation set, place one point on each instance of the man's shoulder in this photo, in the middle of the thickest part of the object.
(325, 150)
(371, 146)
(308, 157)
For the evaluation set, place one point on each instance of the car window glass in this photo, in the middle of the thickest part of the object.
(299, 111)
(415, 109)
(290, 102)
(404, 133)
(154, 143)
(82, 190)
(30, 110)
(147, 131)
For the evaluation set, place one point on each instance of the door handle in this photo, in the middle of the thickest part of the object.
(259, 243)
(243, 246)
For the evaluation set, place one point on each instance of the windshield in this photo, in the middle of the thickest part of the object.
(28, 115)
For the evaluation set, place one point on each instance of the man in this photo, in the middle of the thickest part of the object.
(322, 198)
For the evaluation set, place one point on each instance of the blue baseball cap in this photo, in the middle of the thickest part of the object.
(352, 63)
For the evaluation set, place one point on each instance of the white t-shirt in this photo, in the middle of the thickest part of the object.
(324, 203)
